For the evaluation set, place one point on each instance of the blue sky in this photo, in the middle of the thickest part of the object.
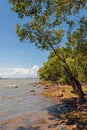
(17, 59)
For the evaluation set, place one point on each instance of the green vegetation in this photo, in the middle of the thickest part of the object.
(50, 23)
(53, 70)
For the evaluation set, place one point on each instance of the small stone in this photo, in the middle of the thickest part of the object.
(32, 91)
(72, 127)
(40, 121)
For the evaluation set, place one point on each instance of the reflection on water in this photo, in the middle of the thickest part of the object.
(18, 96)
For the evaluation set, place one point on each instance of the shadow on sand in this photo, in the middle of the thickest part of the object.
(70, 112)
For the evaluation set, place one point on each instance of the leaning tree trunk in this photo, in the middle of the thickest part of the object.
(76, 85)
(78, 89)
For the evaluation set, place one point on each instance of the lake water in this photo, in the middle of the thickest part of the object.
(17, 96)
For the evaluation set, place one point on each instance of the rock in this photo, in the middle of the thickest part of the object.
(46, 88)
(32, 91)
(3, 97)
(41, 121)
(72, 127)
(51, 126)
(35, 127)
(60, 95)
(16, 87)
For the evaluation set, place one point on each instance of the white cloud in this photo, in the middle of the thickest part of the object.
(19, 72)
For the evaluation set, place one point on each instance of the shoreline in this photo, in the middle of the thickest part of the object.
(62, 115)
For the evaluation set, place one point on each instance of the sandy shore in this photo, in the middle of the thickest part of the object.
(42, 120)
(35, 121)
(67, 114)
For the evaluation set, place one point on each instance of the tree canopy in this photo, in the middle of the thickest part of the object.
(52, 70)
(51, 20)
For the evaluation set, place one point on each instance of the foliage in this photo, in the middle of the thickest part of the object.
(53, 70)
(48, 18)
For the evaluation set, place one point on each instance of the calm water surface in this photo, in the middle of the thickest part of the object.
(15, 101)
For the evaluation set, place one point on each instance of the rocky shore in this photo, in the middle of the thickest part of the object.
(66, 114)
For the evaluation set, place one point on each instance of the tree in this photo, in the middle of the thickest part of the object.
(52, 21)
(52, 70)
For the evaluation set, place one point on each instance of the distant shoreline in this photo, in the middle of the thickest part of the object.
(21, 78)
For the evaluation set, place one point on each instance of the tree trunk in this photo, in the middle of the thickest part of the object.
(76, 85)
(78, 89)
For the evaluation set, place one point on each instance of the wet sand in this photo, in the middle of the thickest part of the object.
(34, 121)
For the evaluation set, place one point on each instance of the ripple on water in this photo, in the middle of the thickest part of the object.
(15, 101)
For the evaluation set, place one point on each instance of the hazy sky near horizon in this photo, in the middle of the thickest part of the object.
(17, 59)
